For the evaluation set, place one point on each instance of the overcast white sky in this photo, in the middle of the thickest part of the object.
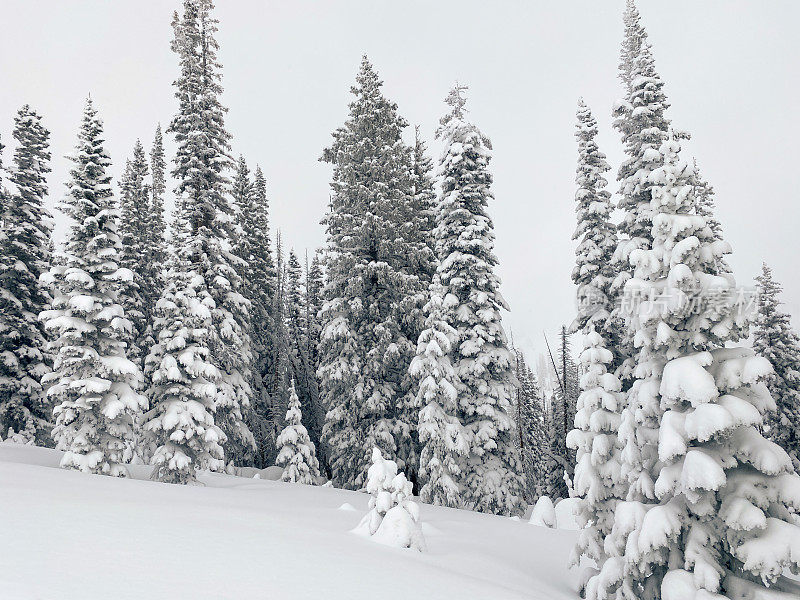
(732, 72)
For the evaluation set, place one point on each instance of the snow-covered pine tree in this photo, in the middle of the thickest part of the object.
(444, 440)
(204, 269)
(714, 518)
(152, 269)
(492, 473)
(564, 407)
(424, 203)
(296, 451)
(774, 339)
(257, 271)
(134, 232)
(374, 292)
(705, 205)
(303, 372)
(598, 480)
(25, 255)
(279, 375)
(313, 283)
(594, 270)
(555, 486)
(92, 380)
(639, 117)
(531, 430)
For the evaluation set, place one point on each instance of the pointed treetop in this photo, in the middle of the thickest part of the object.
(456, 99)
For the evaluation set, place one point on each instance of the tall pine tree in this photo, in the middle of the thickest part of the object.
(203, 272)
(93, 381)
(774, 339)
(303, 372)
(483, 363)
(711, 512)
(134, 231)
(257, 270)
(375, 289)
(531, 430)
(444, 439)
(594, 271)
(24, 256)
(640, 119)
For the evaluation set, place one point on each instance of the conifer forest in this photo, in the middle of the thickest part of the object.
(213, 386)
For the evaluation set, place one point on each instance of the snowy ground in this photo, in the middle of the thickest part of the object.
(68, 536)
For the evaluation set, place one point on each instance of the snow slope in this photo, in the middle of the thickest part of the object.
(66, 535)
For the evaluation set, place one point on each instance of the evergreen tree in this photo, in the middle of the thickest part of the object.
(598, 479)
(303, 372)
(715, 513)
(296, 452)
(279, 343)
(204, 268)
(640, 119)
(134, 232)
(444, 440)
(92, 380)
(531, 430)
(774, 339)
(594, 271)
(564, 409)
(152, 269)
(557, 466)
(491, 480)
(257, 271)
(704, 206)
(375, 291)
(24, 256)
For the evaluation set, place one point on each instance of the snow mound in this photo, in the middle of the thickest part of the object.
(544, 514)
(566, 512)
(399, 530)
(348, 507)
(273, 473)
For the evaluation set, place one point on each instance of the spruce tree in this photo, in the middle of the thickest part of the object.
(152, 269)
(491, 480)
(565, 400)
(444, 440)
(774, 339)
(710, 514)
(640, 119)
(257, 271)
(204, 270)
(134, 232)
(531, 430)
(594, 271)
(93, 381)
(598, 479)
(303, 372)
(24, 256)
(296, 451)
(374, 292)
(280, 374)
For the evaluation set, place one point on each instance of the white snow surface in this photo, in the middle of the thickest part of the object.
(238, 537)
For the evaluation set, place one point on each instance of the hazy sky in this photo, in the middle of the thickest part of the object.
(732, 73)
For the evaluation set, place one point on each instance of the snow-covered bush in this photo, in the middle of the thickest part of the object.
(295, 449)
(544, 513)
(393, 518)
